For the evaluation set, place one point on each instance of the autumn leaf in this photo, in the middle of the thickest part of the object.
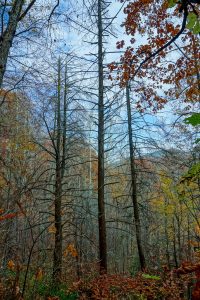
(52, 229)
(193, 243)
(197, 230)
(70, 250)
(8, 216)
(11, 265)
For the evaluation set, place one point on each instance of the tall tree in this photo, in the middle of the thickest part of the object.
(101, 170)
(60, 162)
(134, 182)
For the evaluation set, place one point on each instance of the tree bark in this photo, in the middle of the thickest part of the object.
(57, 262)
(134, 184)
(101, 203)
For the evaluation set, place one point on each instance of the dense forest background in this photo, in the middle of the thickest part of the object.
(99, 152)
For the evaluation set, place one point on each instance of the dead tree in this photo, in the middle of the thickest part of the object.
(134, 182)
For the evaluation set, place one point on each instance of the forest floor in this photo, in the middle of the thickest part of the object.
(167, 285)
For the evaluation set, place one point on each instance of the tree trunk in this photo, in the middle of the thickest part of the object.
(7, 36)
(61, 153)
(174, 245)
(57, 262)
(101, 203)
(133, 183)
(166, 235)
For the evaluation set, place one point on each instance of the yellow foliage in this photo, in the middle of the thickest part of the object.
(197, 230)
(161, 206)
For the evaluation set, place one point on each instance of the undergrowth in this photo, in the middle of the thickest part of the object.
(164, 286)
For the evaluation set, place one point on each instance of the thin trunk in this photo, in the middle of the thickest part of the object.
(179, 237)
(188, 238)
(101, 203)
(134, 184)
(64, 129)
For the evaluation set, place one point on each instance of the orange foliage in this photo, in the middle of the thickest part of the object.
(9, 97)
(159, 24)
(190, 268)
(71, 250)
(39, 274)
(11, 265)
(187, 267)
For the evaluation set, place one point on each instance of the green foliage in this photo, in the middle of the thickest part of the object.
(44, 289)
(191, 20)
(192, 174)
(197, 141)
(135, 266)
(8, 273)
(135, 297)
(171, 3)
(63, 295)
(148, 276)
(72, 296)
(193, 120)
(193, 23)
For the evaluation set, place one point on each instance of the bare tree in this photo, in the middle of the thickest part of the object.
(134, 183)
(101, 171)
